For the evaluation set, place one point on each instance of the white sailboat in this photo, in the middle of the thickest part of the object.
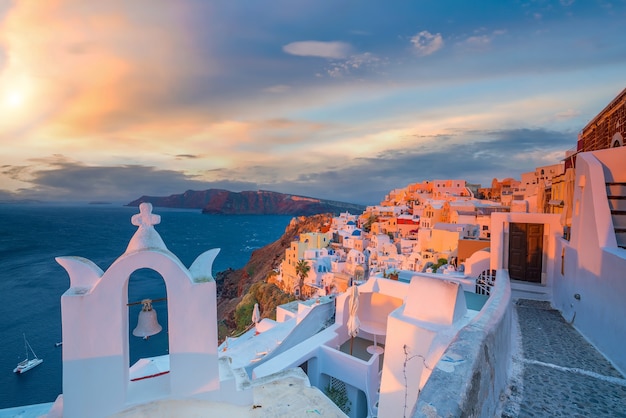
(28, 363)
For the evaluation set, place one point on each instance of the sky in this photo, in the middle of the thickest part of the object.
(342, 100)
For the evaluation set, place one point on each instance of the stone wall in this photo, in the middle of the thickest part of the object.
(473, 372)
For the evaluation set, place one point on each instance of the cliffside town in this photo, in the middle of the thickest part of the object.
(433, 226)
(438, 226)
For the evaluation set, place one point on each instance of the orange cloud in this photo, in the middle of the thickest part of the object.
(93, 66)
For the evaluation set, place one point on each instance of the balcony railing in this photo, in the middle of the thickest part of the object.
(485, 282)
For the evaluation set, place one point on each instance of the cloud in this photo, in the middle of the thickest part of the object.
(476, 156)
(355, 64)
(477, 42)
(255, 140)
(425, 43)
(59, 178)
(112, 66)
(334, 49)
(199, 93)
(502, 153)
(277, 89)
(480, 42)
(568, 114)
(6, 196)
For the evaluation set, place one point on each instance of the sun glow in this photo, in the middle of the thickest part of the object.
(15, 92)
(13, 99)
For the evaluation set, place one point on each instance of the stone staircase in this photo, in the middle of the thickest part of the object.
(531, 291)
(616, 195)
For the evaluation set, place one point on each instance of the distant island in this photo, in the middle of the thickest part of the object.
(20, 201)
(261, 202)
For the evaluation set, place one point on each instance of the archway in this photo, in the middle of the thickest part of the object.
(359, 273)
(617, 140)
(146, 283)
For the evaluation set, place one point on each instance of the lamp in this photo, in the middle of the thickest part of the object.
(147, 323)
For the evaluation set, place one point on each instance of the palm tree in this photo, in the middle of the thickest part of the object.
(302, 270)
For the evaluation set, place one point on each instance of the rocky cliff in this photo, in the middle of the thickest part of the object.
(232, 285)
(262, 202)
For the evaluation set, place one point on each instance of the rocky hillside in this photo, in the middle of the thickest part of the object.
(217, 201)
(233, 285)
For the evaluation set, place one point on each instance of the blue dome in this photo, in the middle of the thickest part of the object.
(356, 233)
(350, 223)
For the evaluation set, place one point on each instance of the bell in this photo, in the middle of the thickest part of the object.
(147, 323)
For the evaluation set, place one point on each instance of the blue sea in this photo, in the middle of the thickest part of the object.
(31, 281)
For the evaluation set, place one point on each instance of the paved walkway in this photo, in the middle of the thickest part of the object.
(556, 372)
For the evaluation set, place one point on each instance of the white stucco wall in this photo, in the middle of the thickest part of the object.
(417, 334)
(477, 263)
(590, 264)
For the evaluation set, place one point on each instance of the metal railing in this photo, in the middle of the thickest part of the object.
(485, 281)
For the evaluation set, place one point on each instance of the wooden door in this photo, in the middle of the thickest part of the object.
(525, 252)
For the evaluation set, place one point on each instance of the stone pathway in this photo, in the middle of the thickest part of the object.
(556, 372)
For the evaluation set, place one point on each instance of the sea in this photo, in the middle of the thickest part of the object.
(32, 282)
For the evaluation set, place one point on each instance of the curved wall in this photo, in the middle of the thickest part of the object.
(473, 372)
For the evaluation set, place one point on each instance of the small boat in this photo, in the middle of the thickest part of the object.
(59, 344)
(28, 363)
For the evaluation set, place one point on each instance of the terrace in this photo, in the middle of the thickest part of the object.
(400, 322)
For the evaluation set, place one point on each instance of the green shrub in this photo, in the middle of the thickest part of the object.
(440, 262)
(268, 296)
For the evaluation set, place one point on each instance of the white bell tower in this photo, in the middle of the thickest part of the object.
(95, 328)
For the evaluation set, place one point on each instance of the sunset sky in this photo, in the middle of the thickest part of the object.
(344, 100)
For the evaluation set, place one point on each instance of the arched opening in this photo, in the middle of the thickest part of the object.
(147, 284)
(359, 273)
(617, 140)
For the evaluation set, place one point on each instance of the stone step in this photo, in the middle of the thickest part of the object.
(617, 203)
(620, 236)
(531, 291)
(619, 219)
(616, 189)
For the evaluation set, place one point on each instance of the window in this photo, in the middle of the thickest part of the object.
(617, 140)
